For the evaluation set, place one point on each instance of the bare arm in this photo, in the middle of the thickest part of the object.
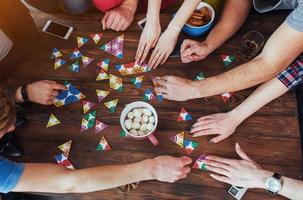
(247, 173)
(232, 18)
(56, 179)
(276, 56)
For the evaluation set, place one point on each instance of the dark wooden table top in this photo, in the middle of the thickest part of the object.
(271, 136)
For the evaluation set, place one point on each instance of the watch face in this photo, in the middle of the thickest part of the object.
(273, 185)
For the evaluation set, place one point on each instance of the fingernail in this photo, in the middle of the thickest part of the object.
(211, 142)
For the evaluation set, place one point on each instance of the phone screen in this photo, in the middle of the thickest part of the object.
(57, 29)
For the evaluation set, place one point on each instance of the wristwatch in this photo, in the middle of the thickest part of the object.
(274, 184)
(24, 93)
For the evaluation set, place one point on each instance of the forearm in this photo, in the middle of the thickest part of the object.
(132, 4)
(36, 177)
(183, 14)
(233, 16)
(260, 97)
(153, 11)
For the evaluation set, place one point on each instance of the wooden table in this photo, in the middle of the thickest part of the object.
(271, 136)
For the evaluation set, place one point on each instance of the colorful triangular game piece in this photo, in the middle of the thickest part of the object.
(123, 133)
(96, 37)
(200, 163)
(104, 64)
(112, 105)
(81, 41)
(87, 106)
(149, 95)
(52, 121)
(115, 83)
(115, 47)
(156, 84)
(132, 68)
(58, 63)
(66, 147)
(86, 60)
(100, 126)
(56, 54)
(62, 160)
(137, 81)
(101, 94)
(178, 139)
(76, 54)
(190, 145)
(75, 67)
(71, 95)
(199, 77)
(103, 145)
(88, 121)
(227, 60)
(225, 96)
(184, 115)
(102, 75)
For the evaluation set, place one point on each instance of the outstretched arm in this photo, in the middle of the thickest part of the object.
(56, 179)
(225, 124)
(233, 16)
(276, 56)
(247, 173)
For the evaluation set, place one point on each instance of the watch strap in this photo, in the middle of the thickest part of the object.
(277, 176)
(24, 93)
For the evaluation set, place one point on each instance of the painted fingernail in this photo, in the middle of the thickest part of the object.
(211, 142)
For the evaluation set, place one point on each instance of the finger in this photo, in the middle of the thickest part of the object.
(205, 117)
(188, 51)
(162, 82)
(153, 58)
(185, 44)
(49, 102)
(57, 86)
(165, 78)
(218, 170)
(221, 178)
(120, 26)
(186, 160)
(167, 96)
(182, 176)
(104, 20)
(204, 133)
(216, 164)
(241, 153)
(222, 160)
(145, 52)
(115, 23)
(165, 58)
(160, 90)
(54, 93)
(203, 123)
(218, 138)
(49, 81)
(186, 170)
(140, 50)
(159, 60)
(124, 27)
(109, 21)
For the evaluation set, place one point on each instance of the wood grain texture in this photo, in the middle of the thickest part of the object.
(271, 136)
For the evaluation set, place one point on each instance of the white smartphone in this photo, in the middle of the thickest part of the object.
(237, 192)
(57, 29)
(141, 23)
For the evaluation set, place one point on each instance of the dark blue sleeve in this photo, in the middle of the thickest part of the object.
(10, 173)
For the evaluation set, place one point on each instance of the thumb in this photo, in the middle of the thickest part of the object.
(187, 52)
(241, 153)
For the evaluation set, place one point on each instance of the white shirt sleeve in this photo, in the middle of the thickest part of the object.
(5, 45)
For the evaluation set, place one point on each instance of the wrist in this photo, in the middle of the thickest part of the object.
(147, 168)
(236, 116)
(131, 5)
(174, 28)
(264, 176)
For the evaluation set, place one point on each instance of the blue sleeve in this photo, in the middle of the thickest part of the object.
(10, 173)
(295, 18)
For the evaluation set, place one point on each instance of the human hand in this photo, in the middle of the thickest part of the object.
(176, 88)
(164, 47)
(119, 18)
(192, 50)
(243, 173)
(43, 92)
(149, 38)
(170, 169)
(221, 124)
